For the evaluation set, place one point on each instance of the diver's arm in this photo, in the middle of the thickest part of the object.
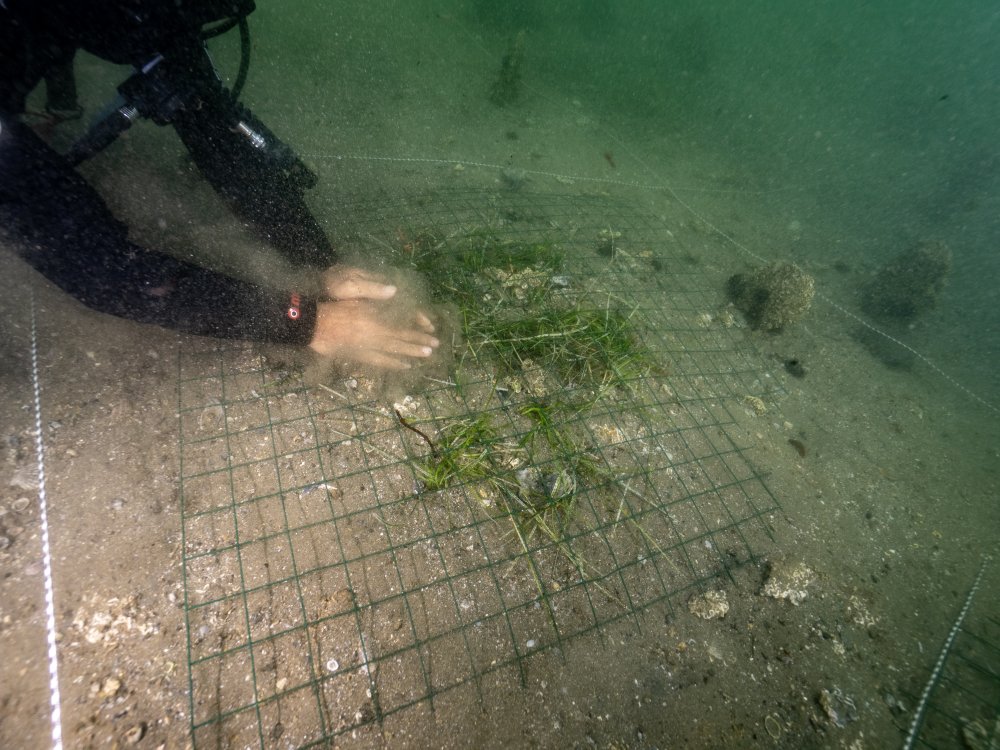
(60, 225)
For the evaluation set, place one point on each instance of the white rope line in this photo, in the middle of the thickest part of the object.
(50, 608)
(922, 357)
(847, 313)
(672, 191)
(558, 176)
(918, 716)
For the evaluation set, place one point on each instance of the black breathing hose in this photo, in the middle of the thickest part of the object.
(222, 28)
(241, 76)
(116, 121)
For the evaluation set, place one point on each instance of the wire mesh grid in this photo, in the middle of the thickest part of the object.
(329, 588)
(964, 706)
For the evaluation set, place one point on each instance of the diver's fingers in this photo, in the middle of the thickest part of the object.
(399, 346)
(403, 341)
(380, 360)
(350, 328)
(424, 322)
(363, 289)
(411, 335)
(354, 283)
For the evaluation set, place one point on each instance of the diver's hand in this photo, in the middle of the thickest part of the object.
(348, 329)
(346, 282)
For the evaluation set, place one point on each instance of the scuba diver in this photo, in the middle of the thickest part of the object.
(60, 225)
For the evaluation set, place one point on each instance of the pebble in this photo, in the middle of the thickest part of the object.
(136, 733)
(839, 708)
(407, 407)
(788, 581)
(895, 705)
(110, 687)
(755, 404)
(118, 503)
(21, 504)
(4, 542)
(712, 605)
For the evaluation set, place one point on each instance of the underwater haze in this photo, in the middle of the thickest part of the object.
(874, 123)
(860, 130)
(710, 456)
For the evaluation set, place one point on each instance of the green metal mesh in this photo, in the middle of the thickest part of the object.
(327, 588)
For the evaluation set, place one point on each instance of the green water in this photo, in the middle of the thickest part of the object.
(661, 148)
(873, 125)
(833, 135)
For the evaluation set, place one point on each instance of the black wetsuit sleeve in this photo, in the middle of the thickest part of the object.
(60, 225)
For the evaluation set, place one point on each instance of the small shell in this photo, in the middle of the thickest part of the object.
(136, 733)
(332, 665)
(20, 505)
